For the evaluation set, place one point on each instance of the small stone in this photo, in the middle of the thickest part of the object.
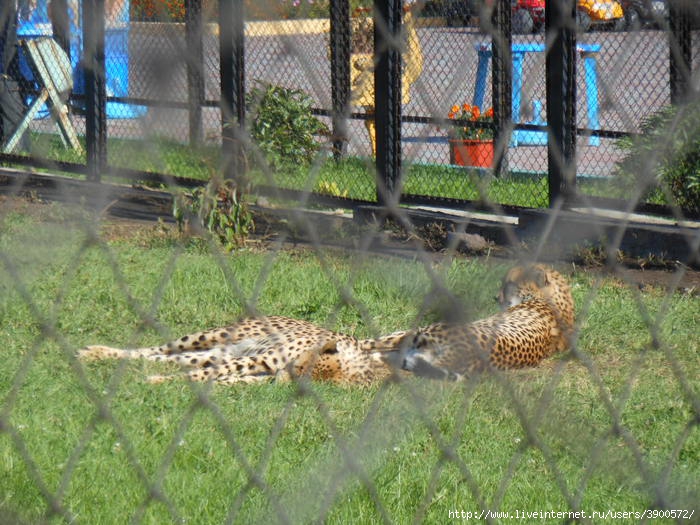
(472, 242)
(263, 202)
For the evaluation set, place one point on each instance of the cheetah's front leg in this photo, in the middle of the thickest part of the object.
(225, 379)
(252, 369)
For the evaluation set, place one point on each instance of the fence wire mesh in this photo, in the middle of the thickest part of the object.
(606, 432)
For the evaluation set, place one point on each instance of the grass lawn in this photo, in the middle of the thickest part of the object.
(352, 178)
(615, 429)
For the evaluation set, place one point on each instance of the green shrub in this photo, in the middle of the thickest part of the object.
(283, 126)
(296, 9)
(220, 208)
(665, 158)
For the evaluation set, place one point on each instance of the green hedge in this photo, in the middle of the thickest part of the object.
(663, 162)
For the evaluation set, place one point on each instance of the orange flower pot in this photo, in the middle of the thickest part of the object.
(478, 153)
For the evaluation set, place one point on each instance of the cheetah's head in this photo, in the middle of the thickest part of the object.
(523, 283)
(425, 356)
(538, 281)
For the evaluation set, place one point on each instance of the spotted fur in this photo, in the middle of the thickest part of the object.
(265, 348)
(536, 324)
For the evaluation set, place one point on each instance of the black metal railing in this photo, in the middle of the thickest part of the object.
(194, 100)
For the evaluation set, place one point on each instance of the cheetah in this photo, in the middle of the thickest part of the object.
(537, 322)
(265, 348)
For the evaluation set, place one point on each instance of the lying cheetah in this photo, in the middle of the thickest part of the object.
(259, 349)
(537, 323)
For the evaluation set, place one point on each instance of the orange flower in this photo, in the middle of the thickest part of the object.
(473, 113)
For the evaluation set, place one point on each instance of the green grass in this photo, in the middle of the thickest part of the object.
(352, 177)
(115, 447)
(160, 155)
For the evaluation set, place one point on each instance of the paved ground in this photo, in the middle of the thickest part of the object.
(633, 75)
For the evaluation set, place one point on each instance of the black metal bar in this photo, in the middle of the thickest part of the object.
(321, 112)
(560, 18)
(8, 36)
(680, 49)
(232, 65)
(387, 85)
(330, 200)
(226, 65)
(195, 62)
(95, 87)
(502, 82)
(60, 23)
(340, 72)
(239, 85)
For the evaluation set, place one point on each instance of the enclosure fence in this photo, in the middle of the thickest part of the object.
(563, 101)
(577, 108)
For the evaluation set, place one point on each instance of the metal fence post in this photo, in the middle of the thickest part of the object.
(195, 62)
(8, 35)
(681, 56)
(502, 82)
(95, 87)
(560, 24)
(60, 24)
(340, 72)
(387, 85)
(232, 67)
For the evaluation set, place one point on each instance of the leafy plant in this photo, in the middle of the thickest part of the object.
(295, 9)
(218, 207)
(291, 9)
(471, 114)
(174, 10)
(283, 126)
(665, 156)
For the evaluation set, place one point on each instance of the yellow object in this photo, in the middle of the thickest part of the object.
(331, 188)
(601, 10)
(362, 75)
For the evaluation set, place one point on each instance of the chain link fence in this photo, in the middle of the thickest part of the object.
(163, 88)
(607, 432)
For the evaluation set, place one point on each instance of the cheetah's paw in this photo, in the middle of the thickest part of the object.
(97, 352)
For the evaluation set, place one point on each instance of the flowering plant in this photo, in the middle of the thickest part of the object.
(472, 114)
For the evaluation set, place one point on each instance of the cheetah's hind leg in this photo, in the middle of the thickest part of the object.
(249, 361)
(98, 352)
(204, 365)
(197, 342)
(195, 358)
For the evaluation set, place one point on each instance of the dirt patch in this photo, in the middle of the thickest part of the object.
(129, 229)
(684, 280)
(147, 232)
(680, 278)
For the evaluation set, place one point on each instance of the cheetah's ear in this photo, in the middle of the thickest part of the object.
(539, 276)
